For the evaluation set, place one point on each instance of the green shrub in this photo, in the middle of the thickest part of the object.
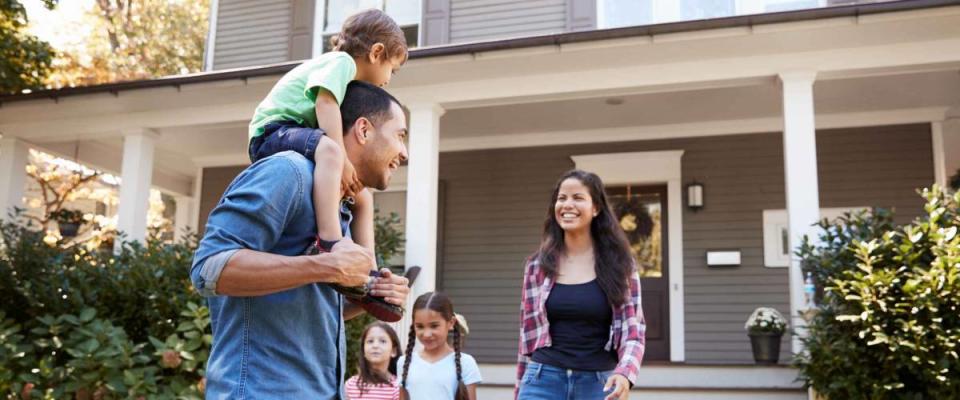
(87, 323)
(888, 323)
(76, 322)
(389, 240)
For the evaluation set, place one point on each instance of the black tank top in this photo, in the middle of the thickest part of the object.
(580, 320)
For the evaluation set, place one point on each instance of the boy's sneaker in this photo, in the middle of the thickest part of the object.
(360, 295)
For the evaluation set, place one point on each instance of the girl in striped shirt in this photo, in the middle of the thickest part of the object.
(376, 380)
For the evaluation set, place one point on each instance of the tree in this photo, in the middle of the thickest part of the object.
(135, 39)
(57, 185)
(24, 59)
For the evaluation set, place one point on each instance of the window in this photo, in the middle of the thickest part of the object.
(620, 13)
(640, 212)
(334, 12)
(776, 234)
(703, 9)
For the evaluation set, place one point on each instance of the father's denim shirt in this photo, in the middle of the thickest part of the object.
(287, 345)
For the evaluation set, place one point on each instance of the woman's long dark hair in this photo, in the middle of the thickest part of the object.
(614, 262)
(368, 376)
(439, 302)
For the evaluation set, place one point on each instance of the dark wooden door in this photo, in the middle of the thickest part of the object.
(642, 211)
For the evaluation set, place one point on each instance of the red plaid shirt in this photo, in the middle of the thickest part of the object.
(627, 333)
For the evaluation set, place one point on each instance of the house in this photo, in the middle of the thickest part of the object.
(777, 112)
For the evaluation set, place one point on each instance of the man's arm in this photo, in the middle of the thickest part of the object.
(249, 221)
(254, 273)
(362, 226)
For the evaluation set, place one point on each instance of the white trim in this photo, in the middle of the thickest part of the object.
(14, 155)
(185, 206)
(653, 167)
(774, 225)
(210, 50)
(136, 174)
(423, 185)
(319, 14)
(939, 154)
(801, 182)
(691, 129)
(197, 193)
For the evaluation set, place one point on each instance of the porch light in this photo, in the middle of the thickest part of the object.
(695, 196)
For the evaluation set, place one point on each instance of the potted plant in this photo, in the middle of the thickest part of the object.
(765, 327)
(68, 221)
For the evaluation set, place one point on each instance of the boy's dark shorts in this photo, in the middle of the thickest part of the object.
(282, 136)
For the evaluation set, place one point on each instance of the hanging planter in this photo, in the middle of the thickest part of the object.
(68, 221)
(765, 327)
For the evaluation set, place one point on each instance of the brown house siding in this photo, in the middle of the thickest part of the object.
(496, 201)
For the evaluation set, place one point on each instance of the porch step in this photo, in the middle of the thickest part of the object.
(504, 393)
(674, 381)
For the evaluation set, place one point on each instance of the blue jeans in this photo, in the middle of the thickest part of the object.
(282, 136)
(546, 382)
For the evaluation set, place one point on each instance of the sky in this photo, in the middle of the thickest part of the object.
(62, 25)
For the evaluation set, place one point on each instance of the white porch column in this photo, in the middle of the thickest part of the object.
(939, 154)
(949, 147)
(135, 174)
(13, 174)
(183, 219)
(800, 167)
(422, 190)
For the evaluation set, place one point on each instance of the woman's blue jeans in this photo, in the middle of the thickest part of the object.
(546, 382)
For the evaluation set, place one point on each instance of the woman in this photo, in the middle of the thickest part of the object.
(582, 329)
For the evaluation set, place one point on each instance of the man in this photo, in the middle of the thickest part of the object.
(277, 323)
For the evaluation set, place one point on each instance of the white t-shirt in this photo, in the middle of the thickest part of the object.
(438, 381)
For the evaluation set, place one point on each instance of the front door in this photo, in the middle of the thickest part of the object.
(642, 211)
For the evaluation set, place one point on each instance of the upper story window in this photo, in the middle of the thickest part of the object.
(332, 13)
(620, 13)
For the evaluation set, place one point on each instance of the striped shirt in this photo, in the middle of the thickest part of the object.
(627, 332)
(372, 392)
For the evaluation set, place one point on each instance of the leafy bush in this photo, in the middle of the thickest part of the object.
(888, 323)
(78, 322)
(389, 240)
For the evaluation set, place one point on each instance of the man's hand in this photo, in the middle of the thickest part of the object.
(393, 288)
(352, 262)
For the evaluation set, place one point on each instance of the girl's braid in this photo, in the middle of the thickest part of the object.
(411, 341)
(461, 388)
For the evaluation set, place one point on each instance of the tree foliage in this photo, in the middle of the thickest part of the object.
(135, 39)
(24, 59)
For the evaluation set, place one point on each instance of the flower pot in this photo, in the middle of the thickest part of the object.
(68, 229)
(766, 347)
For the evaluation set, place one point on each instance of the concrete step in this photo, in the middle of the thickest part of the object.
(506, 393)
(674, 381)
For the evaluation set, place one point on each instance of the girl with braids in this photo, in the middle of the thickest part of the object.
(439, 371)
(379, 350)
(581, 325)
(302, 114)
